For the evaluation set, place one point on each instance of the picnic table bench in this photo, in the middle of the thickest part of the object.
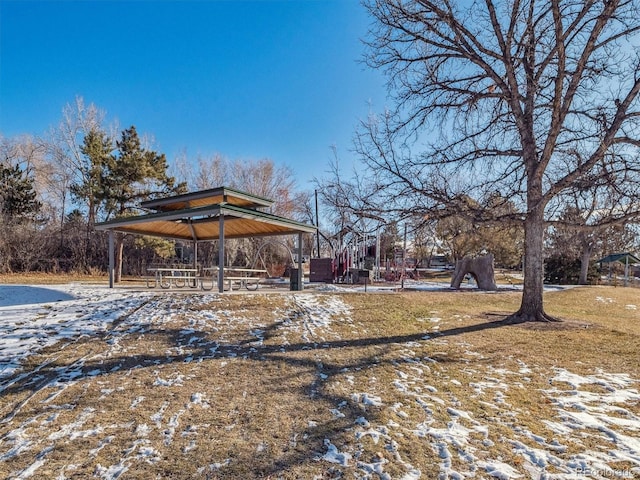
(166, 277)
(248, 278)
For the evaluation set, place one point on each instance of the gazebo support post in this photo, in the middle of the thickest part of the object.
(300, 274)
(626, 271)
(195, 244)
(111, 259)
(221, 255)
(195, 255)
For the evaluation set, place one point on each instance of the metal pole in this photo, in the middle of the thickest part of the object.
(356, 251)
(221, 254)
(377, 275)
(195, 254)
(300, 276)
(317, 225)
(196, 274)
(404, 257)
(111, 259)
(626, 270)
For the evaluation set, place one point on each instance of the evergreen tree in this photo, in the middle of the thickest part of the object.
(97, 147)
(18, 198)
(132, 175)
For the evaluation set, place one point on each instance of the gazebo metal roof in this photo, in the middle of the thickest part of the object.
(196, 217)
(212, 196)
(203, 224)
(627, 258)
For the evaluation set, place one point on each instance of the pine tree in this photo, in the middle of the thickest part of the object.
(97, 147)
(18, 198)
(132, 175)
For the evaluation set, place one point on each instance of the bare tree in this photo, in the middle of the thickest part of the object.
(69, 165)
(505, 92)
(259, 177)
(211, 172)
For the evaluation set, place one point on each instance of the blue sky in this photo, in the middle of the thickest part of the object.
(249, 80)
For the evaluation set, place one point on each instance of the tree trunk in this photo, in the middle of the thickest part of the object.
(119, 246)
(584, 264)
(531, 307)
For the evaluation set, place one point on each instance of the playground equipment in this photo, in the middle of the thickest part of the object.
(354, 256)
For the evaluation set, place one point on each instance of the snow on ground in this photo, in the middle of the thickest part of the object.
(592, 411)
(32, 318)
(424, 286)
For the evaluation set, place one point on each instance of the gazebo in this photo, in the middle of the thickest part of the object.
(207, 215)
(625, 258)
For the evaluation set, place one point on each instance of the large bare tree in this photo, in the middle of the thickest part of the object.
(500, 95)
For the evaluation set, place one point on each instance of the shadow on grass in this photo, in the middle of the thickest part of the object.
(56, 375)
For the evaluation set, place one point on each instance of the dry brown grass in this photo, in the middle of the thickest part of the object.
(259, 390)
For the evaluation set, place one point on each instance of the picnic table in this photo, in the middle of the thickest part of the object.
(248, 278)
(166, 277)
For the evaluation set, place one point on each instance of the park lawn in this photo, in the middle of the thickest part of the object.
(324, 385)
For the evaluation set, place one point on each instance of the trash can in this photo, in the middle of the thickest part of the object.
(294, 284)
